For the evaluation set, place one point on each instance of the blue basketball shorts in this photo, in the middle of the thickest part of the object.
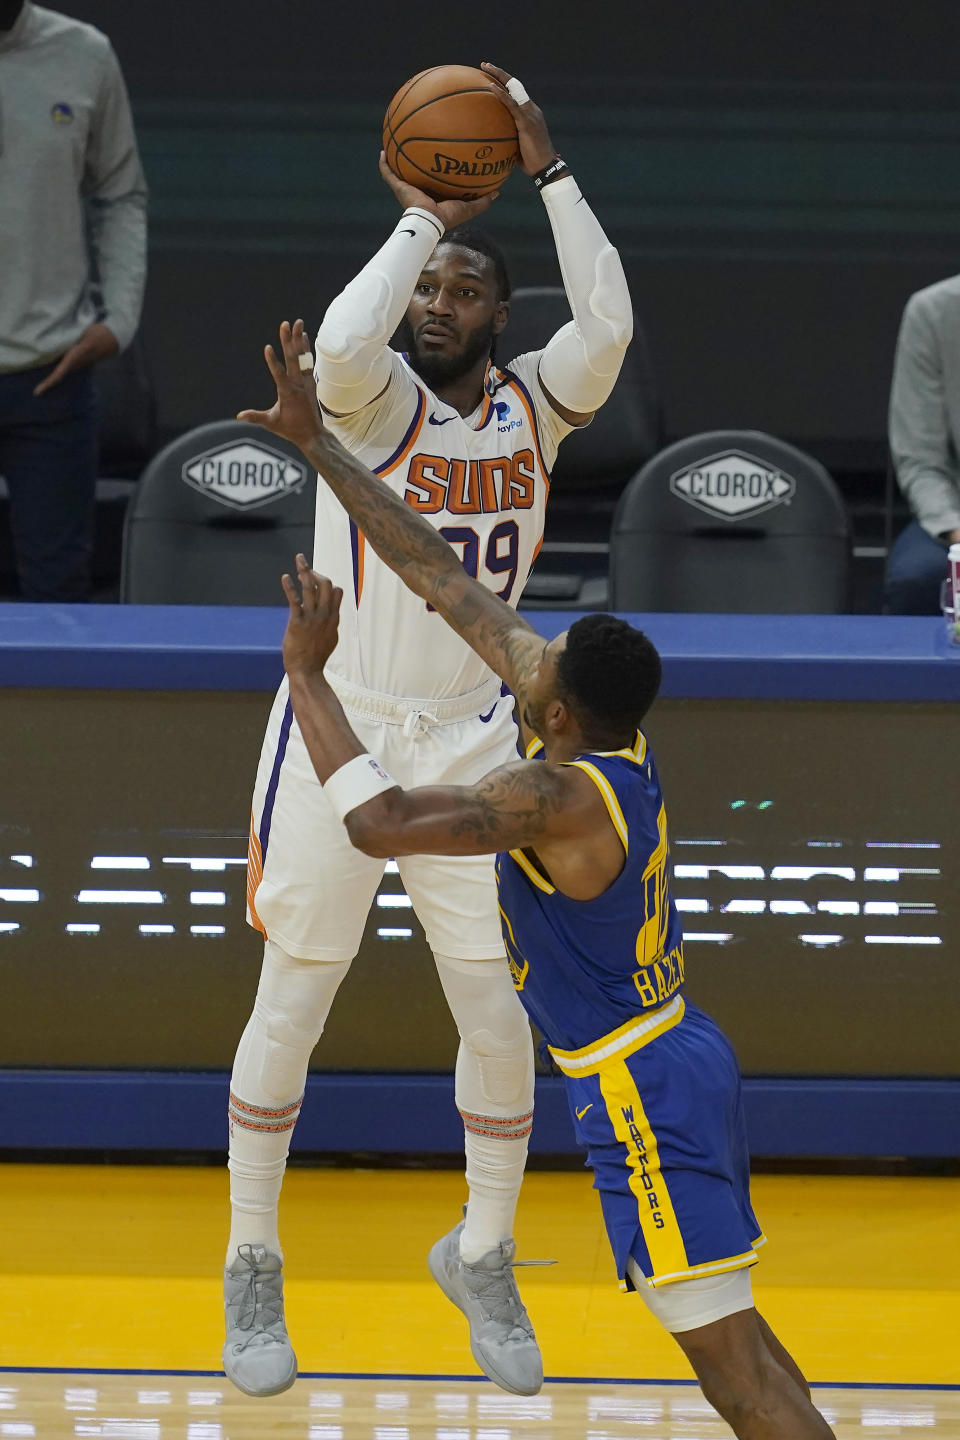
(664, 1130)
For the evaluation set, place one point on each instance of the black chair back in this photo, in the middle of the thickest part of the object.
(735, 521)
(217, 518)
(625, 431)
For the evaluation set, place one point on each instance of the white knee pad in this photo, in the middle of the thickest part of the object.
(293, 1001)
(495, 1064)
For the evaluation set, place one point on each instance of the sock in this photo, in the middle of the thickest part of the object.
(495, 1164)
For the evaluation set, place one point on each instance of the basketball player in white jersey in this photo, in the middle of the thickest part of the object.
(469, 443)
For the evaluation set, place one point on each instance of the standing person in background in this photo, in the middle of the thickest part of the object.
(468, 442)
(925, 446)
(73, 235)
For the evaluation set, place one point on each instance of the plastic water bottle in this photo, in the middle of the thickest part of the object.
(953, 592)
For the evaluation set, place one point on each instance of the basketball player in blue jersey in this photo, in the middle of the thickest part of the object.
(591, 930)
(468, 441)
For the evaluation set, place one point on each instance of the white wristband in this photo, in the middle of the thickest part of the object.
(355, 783)
(423, 215)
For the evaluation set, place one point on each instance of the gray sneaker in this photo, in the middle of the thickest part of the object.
(257, 1355)
(501, 1336)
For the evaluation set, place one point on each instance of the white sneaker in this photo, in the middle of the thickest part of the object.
(257, 1354)
(501, 1336)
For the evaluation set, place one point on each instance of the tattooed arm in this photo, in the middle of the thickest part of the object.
(403, 539)
(521, 805)
(524, 805)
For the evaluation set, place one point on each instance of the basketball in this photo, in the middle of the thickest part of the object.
(446, 132)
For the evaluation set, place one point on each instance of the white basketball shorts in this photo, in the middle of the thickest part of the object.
(309, 890)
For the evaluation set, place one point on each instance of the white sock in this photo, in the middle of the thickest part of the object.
(494, 1175)
(257, 1163)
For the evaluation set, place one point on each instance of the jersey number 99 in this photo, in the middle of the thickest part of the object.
(501, 557)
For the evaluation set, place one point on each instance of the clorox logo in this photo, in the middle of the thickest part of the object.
(244, 475)
(732, 485)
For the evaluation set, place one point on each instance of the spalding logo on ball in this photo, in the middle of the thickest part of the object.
(447, 132)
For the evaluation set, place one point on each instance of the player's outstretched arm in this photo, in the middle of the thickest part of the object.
(352, 360)
(580, 365)
(403, 539)
(515, 807)
(519, 805)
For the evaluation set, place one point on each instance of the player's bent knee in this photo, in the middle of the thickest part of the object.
(504, 1066)
(497, 1029)
(286, 1055)
(292, 1005)
(495, 1063)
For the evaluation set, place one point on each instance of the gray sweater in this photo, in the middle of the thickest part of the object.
(925, 406)
(73, 199)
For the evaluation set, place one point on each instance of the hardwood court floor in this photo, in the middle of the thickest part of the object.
(117, 1269)
(128, 1407)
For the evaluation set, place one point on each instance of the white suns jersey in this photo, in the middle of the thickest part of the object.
(481, 481)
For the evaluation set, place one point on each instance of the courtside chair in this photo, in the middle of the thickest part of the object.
(592, 465)
(732, 521)
(217, 518)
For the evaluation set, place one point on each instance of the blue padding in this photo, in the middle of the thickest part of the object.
(141, 647)
(398, 1114)
(780, 657)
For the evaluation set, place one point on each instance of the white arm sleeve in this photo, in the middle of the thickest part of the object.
(581, 363)
(352, 361)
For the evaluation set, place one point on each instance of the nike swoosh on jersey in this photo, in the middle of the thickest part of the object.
(489, 715)
(581, 1113)
(445, 421)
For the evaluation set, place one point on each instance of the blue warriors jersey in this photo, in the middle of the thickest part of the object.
(584, 968)
(652, 1083)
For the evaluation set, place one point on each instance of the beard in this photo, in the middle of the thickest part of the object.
(439, 370)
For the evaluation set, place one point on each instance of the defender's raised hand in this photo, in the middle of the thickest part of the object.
(312, 625)
(536, 147)
(295, 414)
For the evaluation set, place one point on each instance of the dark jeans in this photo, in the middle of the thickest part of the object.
(916, 568)
(48, 457)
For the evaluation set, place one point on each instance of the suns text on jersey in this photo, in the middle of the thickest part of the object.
(471, 487)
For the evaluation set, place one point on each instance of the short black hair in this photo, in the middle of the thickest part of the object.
(471, 237)
(609, 674)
